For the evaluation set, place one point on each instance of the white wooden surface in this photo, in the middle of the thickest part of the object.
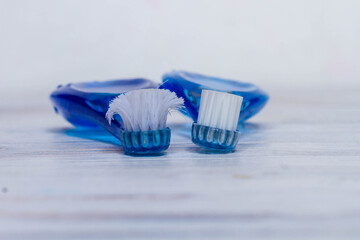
(295, 175)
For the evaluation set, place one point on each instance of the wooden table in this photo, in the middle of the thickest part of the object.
(295, 175)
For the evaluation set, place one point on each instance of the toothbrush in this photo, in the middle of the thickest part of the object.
(217, 121)
(144, 114)
(84, 105)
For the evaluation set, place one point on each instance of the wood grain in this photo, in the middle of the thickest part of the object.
(295, 175)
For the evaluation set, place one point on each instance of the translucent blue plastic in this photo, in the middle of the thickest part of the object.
(146, 142)
(85, 104)
(189, 85)
(214, 138)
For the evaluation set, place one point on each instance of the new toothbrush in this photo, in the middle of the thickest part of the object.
(217, 121)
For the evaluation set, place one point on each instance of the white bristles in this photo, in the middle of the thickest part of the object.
(219, 110)
(144, 109)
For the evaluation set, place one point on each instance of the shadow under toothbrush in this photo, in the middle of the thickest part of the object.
(182, 129)
(202, 150)
(96, 134)
(246, 130)
(100, 135)
(158, 154)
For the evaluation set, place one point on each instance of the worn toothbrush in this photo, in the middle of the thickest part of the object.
(217, 121)
(143, 114)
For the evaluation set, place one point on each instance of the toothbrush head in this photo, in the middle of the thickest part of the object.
(144, 113)
(217, 121)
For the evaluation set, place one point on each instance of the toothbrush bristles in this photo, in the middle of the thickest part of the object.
(219, 110)
(144, 109)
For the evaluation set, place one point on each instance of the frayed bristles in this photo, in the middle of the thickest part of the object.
(219, 110)
(144, 109)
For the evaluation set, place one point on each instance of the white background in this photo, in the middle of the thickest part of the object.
(275, 44)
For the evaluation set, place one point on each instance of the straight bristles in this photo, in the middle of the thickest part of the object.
(145, 109)
(219, 110)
